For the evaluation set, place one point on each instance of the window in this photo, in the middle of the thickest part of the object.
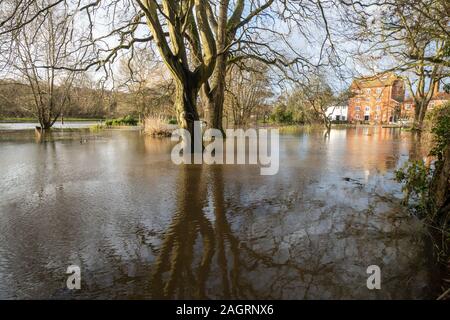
(378, 99)
(366, 118)
(358, 99)
(368, 91)
(357, 108)
(408, 107)
(357, 116)
(376, 116)
(431, 105)
(367, 108)
(378, 90)
(378, 108)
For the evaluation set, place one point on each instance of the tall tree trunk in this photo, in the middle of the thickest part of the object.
(417, 125)
(186, 107)
(423, 111)
(45, 118)
(419, 115)
(215, 94)
(214, 106)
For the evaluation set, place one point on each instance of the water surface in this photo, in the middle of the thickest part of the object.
(58, 124)
(141, 227)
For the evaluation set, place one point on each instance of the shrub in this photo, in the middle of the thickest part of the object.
(156, 126)
(124, 121)
(173, 121)
(416, 178)
(440, 130)
(420, 182)
(282, 115)
(129, 121)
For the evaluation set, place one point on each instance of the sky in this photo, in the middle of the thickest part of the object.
(306, 38)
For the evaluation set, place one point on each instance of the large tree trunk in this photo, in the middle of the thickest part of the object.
(214, 106)
(215, 95)
(45, 118)
(215, 92)
(186, 107)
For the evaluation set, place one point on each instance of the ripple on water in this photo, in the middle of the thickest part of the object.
(141, 227)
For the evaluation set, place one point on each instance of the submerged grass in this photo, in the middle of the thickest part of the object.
(157, 127)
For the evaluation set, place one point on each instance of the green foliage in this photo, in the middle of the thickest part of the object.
(96, 127)
(416, 178)
(124, 121)
(282, 115)
(441, 130)
(173, 121)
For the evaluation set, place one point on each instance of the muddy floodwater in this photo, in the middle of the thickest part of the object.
(139, 226)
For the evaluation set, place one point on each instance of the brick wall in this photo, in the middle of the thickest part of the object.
(376, 100)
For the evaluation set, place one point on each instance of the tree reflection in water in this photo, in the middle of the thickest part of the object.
(187, 276)
(201, 257)
(176, 255)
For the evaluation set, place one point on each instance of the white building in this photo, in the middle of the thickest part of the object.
(337, 113)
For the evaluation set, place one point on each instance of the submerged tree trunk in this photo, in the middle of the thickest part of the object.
(186, 106)
(214, 105)
(46, 117)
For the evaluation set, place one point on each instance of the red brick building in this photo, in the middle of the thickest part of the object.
(408, 105)
(376, 99)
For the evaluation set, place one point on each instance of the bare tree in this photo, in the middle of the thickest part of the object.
(88, 97)
(146, 81)
(196, 39)
(408, 37)
(228, 19)
(316, 94)
(246, 91)
(37, 50)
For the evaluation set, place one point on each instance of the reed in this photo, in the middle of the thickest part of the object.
(157, 126)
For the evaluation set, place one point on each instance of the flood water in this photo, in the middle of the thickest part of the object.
(59, 125)
(139, 226)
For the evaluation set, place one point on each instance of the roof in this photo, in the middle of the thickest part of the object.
(437, 96)
(380, 80)
(441, 96)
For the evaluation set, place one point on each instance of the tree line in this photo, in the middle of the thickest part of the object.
(202, 52)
